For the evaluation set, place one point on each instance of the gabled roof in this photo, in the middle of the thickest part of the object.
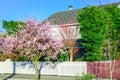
(67, 17)
(64, 17)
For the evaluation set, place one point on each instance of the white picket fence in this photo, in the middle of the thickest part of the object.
(45, 68)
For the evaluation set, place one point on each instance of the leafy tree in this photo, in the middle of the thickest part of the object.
(100, 29)
(113, 32)
(11, 26)
(33, 42)
(93, 28)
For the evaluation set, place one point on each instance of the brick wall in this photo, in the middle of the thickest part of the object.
(102, 69)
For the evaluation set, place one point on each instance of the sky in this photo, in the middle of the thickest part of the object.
(40, 9)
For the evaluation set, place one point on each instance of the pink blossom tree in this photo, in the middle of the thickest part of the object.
(33, 41)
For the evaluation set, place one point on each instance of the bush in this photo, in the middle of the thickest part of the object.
(80, 59)
(85, 77)
(63, 56)
(93, 31)
(117, 56)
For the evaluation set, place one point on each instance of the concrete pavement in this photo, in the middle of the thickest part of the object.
(32, 77)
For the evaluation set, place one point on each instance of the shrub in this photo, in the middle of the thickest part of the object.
(80, 59)
(85, 77)
(64, 55)
(93, 31)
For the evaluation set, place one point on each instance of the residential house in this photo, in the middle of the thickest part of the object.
(66, 26)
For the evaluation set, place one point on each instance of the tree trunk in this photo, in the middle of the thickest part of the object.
(36, 70)
(71, 54)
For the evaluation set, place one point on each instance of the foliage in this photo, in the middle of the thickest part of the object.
(85, 77)
(11, 56)
(23, 58)
(93, 23)
(80, 59)
(2, 35)
(32, 41)
(117, 56)
(113, 32)
(64, 55)
(101, 31)
(0, 56)
(11, 26)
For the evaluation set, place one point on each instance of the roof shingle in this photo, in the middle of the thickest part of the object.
(67, 17)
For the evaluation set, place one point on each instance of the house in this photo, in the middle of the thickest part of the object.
(67, 22)
(67, 19)
(66, 26)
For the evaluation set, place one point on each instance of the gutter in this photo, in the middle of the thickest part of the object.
(73, 24)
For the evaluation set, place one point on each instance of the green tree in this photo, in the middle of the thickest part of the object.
(113, 34)
(113, 31)
(93, 28)
(100, 29)
(11, 26)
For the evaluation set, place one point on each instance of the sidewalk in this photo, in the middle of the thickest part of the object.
(32, 77)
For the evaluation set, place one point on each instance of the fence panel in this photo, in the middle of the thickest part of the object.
(45, 68)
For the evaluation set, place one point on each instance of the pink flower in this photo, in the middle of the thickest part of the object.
(35, 38)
